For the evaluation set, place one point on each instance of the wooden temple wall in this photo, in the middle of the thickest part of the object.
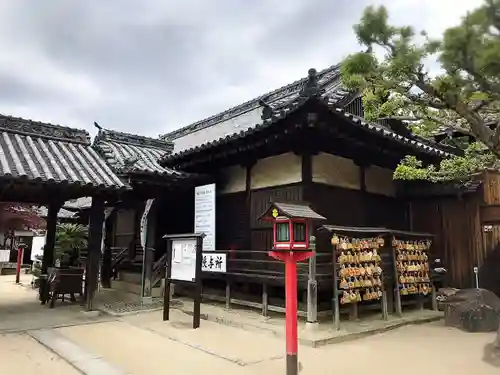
(461, 241)
(339, 190)
(351, 195)
(456, 226)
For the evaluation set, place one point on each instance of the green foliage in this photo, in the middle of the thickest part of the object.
(465, 96)
(476, 159)
(70, 239)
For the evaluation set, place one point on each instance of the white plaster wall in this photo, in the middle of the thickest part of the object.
(379, 181)
(335, 171)
(234, 180)
(276, 170)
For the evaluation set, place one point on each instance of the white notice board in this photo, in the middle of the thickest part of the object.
(204, 214)
(183, 260)
(4, 256)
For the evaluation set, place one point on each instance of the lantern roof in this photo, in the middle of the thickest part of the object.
(295, 210)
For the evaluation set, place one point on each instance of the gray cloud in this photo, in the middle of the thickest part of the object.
(152, 66)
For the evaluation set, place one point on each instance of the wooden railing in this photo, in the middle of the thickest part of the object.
(158, 271)
(119, 254)
(257, 268)
(258, 265)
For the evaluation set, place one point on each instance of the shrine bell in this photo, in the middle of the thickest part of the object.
(292, 225)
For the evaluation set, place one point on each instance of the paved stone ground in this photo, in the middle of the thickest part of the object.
(143, 344)
(20, 309)
(322, 334)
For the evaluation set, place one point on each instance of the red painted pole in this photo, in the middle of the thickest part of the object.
(19, 262)
(291, 314)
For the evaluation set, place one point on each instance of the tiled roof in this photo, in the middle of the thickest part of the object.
(82, 203)
(248, 115)
(128, 153)
(271, 114)
(416, 143)
(62, 214)
(35, 151)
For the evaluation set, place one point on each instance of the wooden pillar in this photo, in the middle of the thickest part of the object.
(306, 176)
(312, 284)
(248, 192)
(50, 240)
(364, 200)
(94, 250)
(48, 249)
(149, 254)
(265, 300)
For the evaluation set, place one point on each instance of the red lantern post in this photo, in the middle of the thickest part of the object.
(20, 253)
(292, 224)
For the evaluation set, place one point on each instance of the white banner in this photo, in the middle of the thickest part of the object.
(204, 214)
(107, 213)
(214, 262)
(144, 222)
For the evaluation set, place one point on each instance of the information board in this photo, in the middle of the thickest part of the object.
(4, 256)
(183, 260)
(204, 214)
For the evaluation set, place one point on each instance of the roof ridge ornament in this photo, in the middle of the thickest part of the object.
(267, 109)
(23, 126)
(311, 86)
(132, 139)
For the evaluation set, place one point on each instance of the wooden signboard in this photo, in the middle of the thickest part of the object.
(184, 264)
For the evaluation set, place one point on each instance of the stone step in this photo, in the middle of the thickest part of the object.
(130, 277)
(134, 288)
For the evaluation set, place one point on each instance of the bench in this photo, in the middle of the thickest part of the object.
(65, 281)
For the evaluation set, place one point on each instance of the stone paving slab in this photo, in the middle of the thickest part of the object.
(142, 352)
(83, 360)
(20, 354)
(236, 345)
(324, 332)
(20, 309)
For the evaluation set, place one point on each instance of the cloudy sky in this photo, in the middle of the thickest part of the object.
(152, 66)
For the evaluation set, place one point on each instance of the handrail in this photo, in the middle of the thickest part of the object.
(160, 263)
(158, 271)
(117, 259)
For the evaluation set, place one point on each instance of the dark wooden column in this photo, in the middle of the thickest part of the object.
(312, 284)
(363, 165)
(149, 252)
(248, 191)
(50, 241)
(48, 249)
(94, 249)
(306, 176)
